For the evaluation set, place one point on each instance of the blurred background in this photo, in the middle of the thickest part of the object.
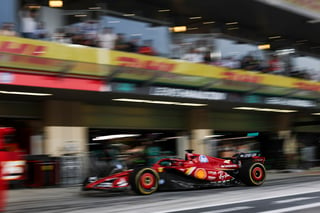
(93, 86)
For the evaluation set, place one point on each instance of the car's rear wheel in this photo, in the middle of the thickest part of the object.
(144, 181)
(252, 174)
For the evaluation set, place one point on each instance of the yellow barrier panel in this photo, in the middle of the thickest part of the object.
(30, 54)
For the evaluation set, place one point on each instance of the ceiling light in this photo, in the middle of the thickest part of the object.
(232, 23)
(129, 14)
(94, 8)
(265, 109)
(316, 113)
(55, 3)
(157, 102)
(233, 28)
(264, 46)
(195, 17)
(177, 29)
(110, 137)
(285, 51)
(24, 93)
(208, 22)
(164, 10)
(80, 15)
(274, 37)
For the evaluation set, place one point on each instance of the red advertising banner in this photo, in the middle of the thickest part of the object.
(24, 79)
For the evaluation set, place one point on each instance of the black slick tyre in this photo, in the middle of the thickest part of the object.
(252, 173)
(144, 181)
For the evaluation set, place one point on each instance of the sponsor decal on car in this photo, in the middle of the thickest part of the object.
(211, 178)
(121, 182)
(160, 169)
(229, 166)
(203, 159)
(190, 170)
(200, 173)
(212, 172)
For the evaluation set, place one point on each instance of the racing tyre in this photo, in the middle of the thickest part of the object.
(252, 174)
(144, 181)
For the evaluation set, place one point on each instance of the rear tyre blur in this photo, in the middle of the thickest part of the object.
(252, 173)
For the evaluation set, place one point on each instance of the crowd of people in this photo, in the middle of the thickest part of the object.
(85, 33)
(272, 64)
(88, 33)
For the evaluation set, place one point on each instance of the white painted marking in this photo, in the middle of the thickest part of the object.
(229, 209)
(268, 195)
(294, 208)
(293, 200)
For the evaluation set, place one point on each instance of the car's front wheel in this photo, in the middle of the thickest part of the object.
(144, 181)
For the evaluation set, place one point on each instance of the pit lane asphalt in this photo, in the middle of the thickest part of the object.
(70, 200)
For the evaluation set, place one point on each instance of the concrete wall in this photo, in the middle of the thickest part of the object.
(53, 18)
(61, 140)
(137, 117)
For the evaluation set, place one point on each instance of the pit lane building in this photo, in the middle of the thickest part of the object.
(61, 91)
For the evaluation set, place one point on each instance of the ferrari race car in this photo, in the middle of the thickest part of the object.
(194, 172)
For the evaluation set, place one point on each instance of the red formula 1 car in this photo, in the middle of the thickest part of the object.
(194, 172)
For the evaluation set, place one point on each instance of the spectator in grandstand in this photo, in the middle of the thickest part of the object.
(7, 29)
(202, 46)
(133, 44)
(250, 63)
(60, 36)
(41, 32)
(107, 39)
(75, 35)
(147, 48)
(275, 65)
(177, 49)
(229, 62)
(90, 33)
(28, 23)
(121, 43)
(193, 56)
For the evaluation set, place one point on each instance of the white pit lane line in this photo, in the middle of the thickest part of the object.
(294, 208)
(229, 209)
(293, 200)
